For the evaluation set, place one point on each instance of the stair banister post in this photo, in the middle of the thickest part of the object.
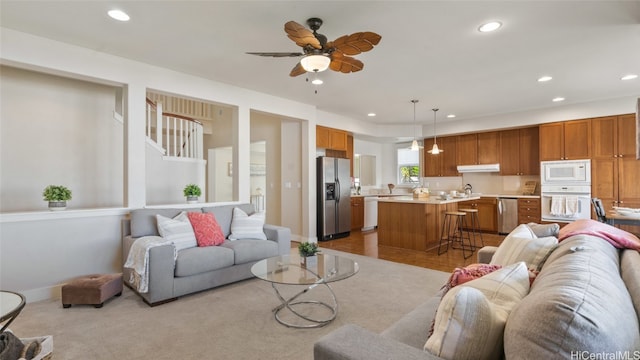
(159, 123)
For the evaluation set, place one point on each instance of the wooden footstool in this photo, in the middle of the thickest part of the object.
(91, 290)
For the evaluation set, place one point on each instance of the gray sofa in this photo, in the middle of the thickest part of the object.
(198, 268)
(585, 301)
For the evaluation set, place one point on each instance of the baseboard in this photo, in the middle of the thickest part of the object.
(44, 293)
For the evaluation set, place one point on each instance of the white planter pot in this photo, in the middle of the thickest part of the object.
(192, 199)
(57, 205)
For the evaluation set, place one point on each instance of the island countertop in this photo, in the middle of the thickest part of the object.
(431, 200)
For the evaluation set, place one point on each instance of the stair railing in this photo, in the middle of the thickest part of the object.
(175, 135)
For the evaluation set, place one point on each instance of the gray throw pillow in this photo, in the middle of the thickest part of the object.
(544, 230)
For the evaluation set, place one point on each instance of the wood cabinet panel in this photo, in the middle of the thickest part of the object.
(628, 180)
(565, 140)
(357, 213)
(327, 138)
(467, 149)
(529, 211)
(443, 164)
(626, 135)
(604, 137)
(488, 147)
(519, 152)
(487, 212)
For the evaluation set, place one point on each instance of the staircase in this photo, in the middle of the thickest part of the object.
(175, 136)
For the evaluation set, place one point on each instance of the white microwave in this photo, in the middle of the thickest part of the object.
(575, 172)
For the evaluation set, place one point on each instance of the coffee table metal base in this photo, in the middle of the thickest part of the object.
(290, 303)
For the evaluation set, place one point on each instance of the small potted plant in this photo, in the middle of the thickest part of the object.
(57, 196)
(307, 249)
(191, 192)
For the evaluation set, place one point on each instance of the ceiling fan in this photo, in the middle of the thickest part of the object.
(318, 54)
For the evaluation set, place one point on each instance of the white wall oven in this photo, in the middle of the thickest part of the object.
(565, 190)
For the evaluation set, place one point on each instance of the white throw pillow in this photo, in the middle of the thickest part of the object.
(177, 230)
(522, 245)
(471, 317)
(244, 226)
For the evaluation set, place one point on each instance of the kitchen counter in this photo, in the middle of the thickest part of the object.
(514, 196)
(410, 223)
(431, 200)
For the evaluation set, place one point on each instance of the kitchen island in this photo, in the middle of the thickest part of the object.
(412, 223)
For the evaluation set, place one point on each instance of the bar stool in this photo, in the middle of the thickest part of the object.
(474, 223)
(453, 232)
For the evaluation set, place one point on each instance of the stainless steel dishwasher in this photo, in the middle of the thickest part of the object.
(507, 214)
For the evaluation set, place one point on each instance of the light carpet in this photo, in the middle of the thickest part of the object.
(229, 322)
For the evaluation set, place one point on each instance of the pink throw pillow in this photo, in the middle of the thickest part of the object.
(468, 273)
(208, 231)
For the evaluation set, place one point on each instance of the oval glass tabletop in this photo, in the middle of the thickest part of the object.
(289, 269)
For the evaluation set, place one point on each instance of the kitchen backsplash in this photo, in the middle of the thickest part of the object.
(485, 183)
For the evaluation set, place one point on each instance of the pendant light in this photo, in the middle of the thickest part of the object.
(414, 144)
(434, 150)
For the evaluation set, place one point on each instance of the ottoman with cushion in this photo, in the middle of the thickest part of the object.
(92, 290)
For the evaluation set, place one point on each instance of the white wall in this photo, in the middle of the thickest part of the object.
(58, 131)
(167, 178)
(292, 183)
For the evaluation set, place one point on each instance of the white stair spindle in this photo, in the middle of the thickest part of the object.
(159, 124)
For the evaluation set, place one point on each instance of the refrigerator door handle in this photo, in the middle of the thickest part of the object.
(337, 190)
(499, 206)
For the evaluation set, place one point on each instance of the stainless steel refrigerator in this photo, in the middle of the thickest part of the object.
(334, 197)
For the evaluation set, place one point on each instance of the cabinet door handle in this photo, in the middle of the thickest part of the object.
(620, 155)
(615, 156)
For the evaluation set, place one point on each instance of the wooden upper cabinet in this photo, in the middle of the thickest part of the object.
(333, 139)
(350, 152)
(467, 149)
(604, 137)
(488, 147)
(481, 148)
(626, 135)
(519, 152)
(565, 140)
(443, 164)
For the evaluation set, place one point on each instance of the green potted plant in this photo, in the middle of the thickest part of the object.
(191, 192)
(57, 196)
(307, 249)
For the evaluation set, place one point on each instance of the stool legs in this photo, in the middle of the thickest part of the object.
(453, 231)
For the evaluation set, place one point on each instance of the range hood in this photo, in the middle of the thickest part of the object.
(478, 168)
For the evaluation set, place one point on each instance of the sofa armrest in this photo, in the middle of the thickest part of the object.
(486, 253)
(352, 342)
(281, 235)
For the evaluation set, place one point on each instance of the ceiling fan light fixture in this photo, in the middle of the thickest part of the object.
(315, 63)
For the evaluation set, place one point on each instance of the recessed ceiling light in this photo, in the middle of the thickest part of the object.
(451, 116)
(557, 99)
(544, 78)
(317, 82)
(629, 77)
(119, 15)
(490, 26)
(371, 114)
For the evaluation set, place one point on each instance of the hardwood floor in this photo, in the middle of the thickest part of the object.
(366, 243)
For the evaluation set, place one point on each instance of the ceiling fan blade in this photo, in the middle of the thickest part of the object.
(297, 70)
(276, 54)
(301, 36)
(345, 64)
(356, 43)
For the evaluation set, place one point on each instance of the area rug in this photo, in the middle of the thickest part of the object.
(229, 322)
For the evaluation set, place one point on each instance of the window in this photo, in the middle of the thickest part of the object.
(408, 166)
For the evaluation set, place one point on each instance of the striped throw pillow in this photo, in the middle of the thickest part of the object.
(471, 317)
(177, 230)
(244, 226)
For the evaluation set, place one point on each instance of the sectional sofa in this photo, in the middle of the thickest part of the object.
(583, 304)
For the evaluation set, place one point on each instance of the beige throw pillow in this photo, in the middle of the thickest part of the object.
(471, 317)
(522, 245)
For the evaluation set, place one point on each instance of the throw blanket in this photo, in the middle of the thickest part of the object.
(616, 237)
(138, 260)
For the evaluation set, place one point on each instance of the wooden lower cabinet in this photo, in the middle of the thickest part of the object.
(487, 212)
(415, 226)
(357, 213)
(529, 211)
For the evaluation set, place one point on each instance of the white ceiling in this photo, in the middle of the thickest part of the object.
(430, 50)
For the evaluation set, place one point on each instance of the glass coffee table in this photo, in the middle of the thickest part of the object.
(11, 303)
(321, 269)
